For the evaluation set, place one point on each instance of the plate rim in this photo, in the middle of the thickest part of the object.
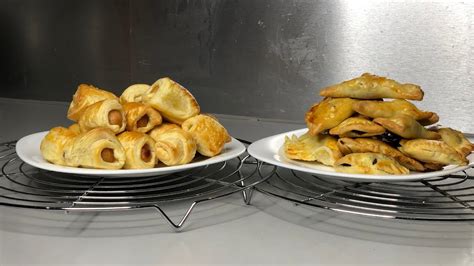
(253, 150)
(239, 150)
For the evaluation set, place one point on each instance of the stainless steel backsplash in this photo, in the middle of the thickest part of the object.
(261, 58)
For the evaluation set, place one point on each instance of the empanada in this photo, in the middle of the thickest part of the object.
(108, 113)
(55, 143)
(369, 163)
(361, 145)
(209, 134)
(370, 86)
(328, 113)
(432, 151)
(174, 146)
(97, 148)
(456, 140)
(139, 150)
(406, 127)
(141, 117)
(86, 95)
(174, 102)
(134, 93)
(320, 148)
(357, 127)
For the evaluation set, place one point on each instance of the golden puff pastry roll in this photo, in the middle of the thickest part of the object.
(134, 93)
(362, 145)
(320, 148)
(108, 113)
(370, 86)
(406, 127)
(175, 103)
(141, 117)
(357, 127)
(55, 143)
(370, 163)
(75, 128)
(328, 113)
(139, 150)
(432, 151)
(98, 148)
(456, 140)
(86, 95)
(174, 146)
(209, 134)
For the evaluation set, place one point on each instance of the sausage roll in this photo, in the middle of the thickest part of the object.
(456, 140)
(406, 127)
(328, 114)
(97, 148)
(320, 148)
(370, 86)
(357, 127)
(86, 95)
(55, 143)
(174, 102)
(139, 150)
(432, 151)
(108, 113)
(369, 163)
(134, 93)
(209, 134)
(141, 117)
(174, 146)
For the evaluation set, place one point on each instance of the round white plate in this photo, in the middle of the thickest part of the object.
(268, 150)
(28, 149)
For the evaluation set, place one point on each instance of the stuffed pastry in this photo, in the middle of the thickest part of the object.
(209, 134)
(370, 163)
(97, 148)
(175, 103)
(432, 151)
(141, 117)
(174, 146)
(456, 140)
(108, 113)
(328, 114)
(406, 127)
(354, 127)
(370, 86)
(86, 95)
(362, 145)
(134, 93)
(320, 148)
(139, 150)
(55, 143)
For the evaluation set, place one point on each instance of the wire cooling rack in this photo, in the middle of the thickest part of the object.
(24, 186)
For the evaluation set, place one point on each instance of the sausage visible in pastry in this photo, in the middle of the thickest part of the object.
(174, 146)
(134, 93)
(406, 127)
(320, 148)
(55, 143)
(357, 127)
(369, 163)
(141, 117)
(86, 95)
(108, 113)
(139, 150)
(432, 151)
(328, 114)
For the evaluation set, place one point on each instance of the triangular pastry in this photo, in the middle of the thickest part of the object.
(355, 127)
(320, 148)
(328, 114)
(369, 163)
(406, 127)
(432, 151)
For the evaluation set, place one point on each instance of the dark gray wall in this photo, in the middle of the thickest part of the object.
(263, 58)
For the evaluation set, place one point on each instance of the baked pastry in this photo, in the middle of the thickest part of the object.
(354, 127)
(174, 146)
(429, 120)
(209, 134)
(456, 140)
(328, 114)
(369, 163)
(107, 113)
(320, 148)
(75, 128)
(406, 127)
(55, 143)
(139, 150)
(134, 93)
(97, 148)
(175, 103)
(86, 95)
(432, 151)
(141, 117)
(362, 145)
(370, 86)
(375, 109)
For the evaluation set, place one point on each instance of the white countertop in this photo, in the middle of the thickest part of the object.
(226, 231)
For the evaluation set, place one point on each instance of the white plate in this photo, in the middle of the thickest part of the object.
(28, 149)
(268, 150)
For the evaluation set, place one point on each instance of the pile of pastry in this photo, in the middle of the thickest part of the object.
(367, 126)
(146, 127)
